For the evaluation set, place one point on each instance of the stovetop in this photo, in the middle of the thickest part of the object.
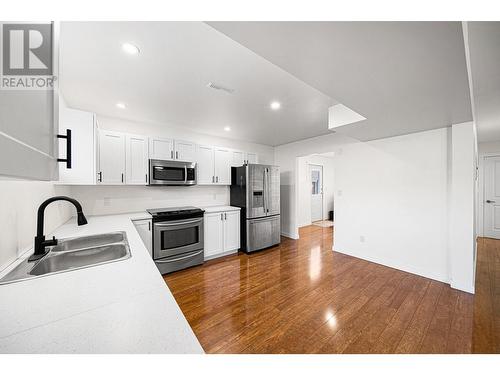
(173, 213)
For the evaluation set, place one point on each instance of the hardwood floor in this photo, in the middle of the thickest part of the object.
(301, 297)
(487, 298)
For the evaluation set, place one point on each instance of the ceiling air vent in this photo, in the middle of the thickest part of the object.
(216, 86)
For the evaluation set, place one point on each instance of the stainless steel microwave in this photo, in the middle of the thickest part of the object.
(165, 172)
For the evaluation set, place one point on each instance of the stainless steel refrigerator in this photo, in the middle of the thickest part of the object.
(256, 189)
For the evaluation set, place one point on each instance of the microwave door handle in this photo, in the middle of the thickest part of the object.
(185, 174)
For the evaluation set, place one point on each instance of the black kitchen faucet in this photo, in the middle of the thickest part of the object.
(40, 242)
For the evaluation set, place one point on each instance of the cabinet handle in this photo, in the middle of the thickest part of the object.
(225, 216)
(122, 178)
(171, 154)
(68, 148)
(222, 216)
(177, 154)
(217, 179)
(213, 179)
(149, 226)
(100, 176)
(146, 178)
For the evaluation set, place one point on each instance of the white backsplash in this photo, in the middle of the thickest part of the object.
(108, 200)
(19, 202)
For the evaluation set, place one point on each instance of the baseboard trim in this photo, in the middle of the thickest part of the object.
(404, 268)
(289, 235)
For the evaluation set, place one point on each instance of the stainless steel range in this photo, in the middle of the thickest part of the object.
(177, 237)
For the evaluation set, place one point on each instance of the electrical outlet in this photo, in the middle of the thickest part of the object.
(361, 238)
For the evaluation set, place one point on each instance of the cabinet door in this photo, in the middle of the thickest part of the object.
(237, 158)
(111, 158)
(205, 164)
(252, 158)
(213, 234)
(144, 229)
(83, 147)
(185, 151)
(231, 230)
(222, 162)
(161, 148)
(136, 154)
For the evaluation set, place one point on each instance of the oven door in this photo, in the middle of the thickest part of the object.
(177, 237)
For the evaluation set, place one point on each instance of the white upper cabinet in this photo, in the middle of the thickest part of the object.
(161, 148)
(205, 164)
(111, 158)
(136, 159)
(251, 158)
(83, 128)
(238, 158)
(185, 151)
(222, 166)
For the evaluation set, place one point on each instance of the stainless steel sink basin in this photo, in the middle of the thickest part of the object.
(72, 254)
(89, 241)
(79, 259)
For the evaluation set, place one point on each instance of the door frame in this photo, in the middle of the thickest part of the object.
(480, 208)
(322, 190)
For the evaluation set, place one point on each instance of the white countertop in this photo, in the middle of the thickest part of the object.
(211, 209)
(119, 307)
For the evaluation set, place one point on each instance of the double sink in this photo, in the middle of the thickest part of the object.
(72, 254)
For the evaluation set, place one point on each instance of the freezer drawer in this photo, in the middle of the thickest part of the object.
(263, 232)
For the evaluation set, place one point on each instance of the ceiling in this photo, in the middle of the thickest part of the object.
(166, 82)
(484, 51)
(403, 77)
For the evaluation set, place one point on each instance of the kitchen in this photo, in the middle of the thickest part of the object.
(194, 198)
(173, 192)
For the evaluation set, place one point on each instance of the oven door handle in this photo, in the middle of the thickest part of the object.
(176, 224)
(181, 258)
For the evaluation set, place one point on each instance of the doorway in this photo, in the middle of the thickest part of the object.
(491, 210)
(316, 175)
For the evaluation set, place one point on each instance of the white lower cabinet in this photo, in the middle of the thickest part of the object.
(144, 228)
(222, 233)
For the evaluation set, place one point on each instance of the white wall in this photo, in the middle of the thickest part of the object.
(391, 202)
(304, 187)
(285, 156)
(106, 200)
(266, 153)
(19, 201)
(462, 236)
(392, 198)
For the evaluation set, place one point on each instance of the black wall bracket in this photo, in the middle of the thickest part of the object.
(68, 148)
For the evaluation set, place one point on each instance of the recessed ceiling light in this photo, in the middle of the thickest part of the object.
(275, 105)
(121, 105)
(130, 48)
(227, 128)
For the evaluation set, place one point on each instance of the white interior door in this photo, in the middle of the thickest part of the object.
(492, 197)
(316, 173)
